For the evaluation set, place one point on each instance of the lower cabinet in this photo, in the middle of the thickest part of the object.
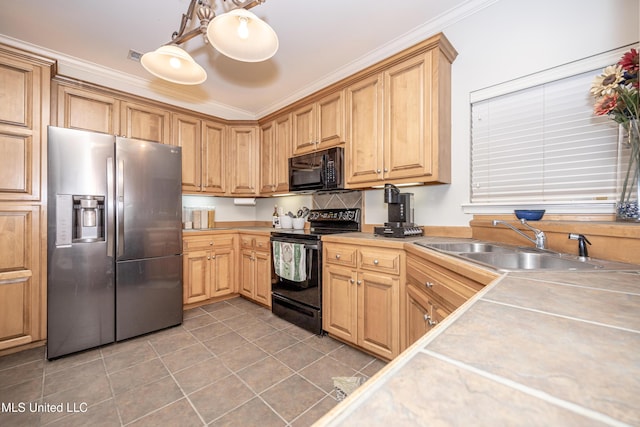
(361, 296)
(208, 267)
(435, 287)
(22, 290)
(255, 268)
(422, 313)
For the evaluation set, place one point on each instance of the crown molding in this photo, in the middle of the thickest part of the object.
(418, 34)
(76, 68)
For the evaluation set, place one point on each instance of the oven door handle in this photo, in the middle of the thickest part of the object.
(306, 245)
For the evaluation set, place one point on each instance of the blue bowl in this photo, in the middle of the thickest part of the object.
(529, 215)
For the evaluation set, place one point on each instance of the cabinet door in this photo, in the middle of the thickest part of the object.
(145, 122)
(407, 124)
(243, 160)
(186, 134)
(364, 150)
(22, 297)
(283, 152)
(417, 315)
(340, 303)
(378, 312)
(268, 158)
(24, 114)
(197, 276)
(262, 265)
(246, 273)
(87, 110)
(223, 274)
(304, 129)
(214, 157)
(331, 120)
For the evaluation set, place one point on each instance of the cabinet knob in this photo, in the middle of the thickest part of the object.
(375, 262)
(429, 285)
(213, 257)
(337, 256)
(427, 318)
(351, 281)
(378, 171)
(208, 257)
(359, 282)
(432, 322)
(210, 243)
(386, 170)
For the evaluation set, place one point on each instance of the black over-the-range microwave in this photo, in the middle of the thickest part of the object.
(320, 170)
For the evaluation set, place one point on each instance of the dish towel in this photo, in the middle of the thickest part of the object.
(289, 261)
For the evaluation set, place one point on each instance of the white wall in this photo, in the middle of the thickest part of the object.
(507, 40)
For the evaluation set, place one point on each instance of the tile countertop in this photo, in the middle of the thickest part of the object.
(533, 348)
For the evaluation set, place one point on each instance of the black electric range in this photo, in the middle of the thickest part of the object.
(300, 302)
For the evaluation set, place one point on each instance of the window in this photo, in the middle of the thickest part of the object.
(536, 141)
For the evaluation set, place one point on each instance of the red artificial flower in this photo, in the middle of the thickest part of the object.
(629, 61)
(605, 105)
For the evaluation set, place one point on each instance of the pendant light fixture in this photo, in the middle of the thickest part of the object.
(238, 34)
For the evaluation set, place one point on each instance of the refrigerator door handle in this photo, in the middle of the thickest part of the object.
(120, 193)
(109, 214)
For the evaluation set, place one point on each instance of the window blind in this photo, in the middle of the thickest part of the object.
(543, 144)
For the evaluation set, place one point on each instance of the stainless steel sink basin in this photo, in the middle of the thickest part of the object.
(512, 261)
(468, 247)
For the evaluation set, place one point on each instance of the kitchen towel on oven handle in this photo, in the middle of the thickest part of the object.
(289, 261)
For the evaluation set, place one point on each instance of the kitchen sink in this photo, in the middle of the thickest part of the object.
(517, 258)
(528, 261)
(467, 247)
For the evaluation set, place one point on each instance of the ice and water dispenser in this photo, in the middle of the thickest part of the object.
(80, 219)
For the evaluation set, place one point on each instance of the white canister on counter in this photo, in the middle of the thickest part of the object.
(285, 221)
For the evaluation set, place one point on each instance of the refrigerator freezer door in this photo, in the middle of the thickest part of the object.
(149, 199)
(148, 294)
(80, 272)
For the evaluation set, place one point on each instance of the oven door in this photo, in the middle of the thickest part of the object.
(309, 291)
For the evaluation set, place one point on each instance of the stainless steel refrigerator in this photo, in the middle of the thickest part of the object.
(114, 267)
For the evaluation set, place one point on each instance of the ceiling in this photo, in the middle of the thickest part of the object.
(321, 41)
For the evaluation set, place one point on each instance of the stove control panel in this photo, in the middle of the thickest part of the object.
(335, 215)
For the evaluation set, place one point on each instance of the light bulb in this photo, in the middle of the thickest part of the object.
(243, 28)
(175, 62)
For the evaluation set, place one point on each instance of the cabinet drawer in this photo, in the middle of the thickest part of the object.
(383, 260)
(197, 243)
(447, 285)
(340, 255)
(206, 242)
(262, 243)
(246, 242)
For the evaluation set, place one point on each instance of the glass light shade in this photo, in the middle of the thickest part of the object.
(224, 33)
(173, 64)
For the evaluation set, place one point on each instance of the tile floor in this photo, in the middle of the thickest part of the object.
(231, 363)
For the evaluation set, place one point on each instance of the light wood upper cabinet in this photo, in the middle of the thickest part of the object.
(268, 159)
(186, 134)
(202, 143)
(214, 157)
(275, 150)
(146, 122)
(87, 110)
(399, 121)
(319, 125)
(243, 160)
(24, 115)
(364, 149)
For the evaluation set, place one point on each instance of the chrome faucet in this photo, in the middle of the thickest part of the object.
(540, 238)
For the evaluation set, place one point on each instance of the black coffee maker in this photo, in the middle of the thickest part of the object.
(400, 206)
